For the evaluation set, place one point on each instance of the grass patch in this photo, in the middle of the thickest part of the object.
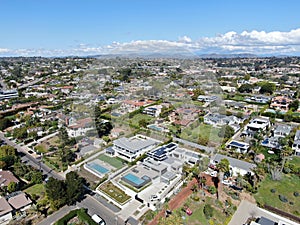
(41, 148)
(115, 162)
(114, 192)
(295, 160)
(36, 189)
(285, 187)
(196, 132)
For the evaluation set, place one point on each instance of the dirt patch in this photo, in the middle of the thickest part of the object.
(176, 202)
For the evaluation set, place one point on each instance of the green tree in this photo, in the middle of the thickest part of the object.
(286, 151)
(143, 123)
(5, 123)
(75, 187)
(246, 88)
(267, 88)
(196, 93)
(226, 132)
(20, 133)
(208, 211)
(294, 105)
(56, 192)
(12, 187)
(222, 167)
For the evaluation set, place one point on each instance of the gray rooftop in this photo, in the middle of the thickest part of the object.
(134, 144)
(297, 137)
(235, 162)
(283, 129)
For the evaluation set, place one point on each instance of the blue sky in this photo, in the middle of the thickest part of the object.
(64, 27)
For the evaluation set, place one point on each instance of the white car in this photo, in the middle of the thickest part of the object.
(98, 219)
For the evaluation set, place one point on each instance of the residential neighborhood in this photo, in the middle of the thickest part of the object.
(131, 140)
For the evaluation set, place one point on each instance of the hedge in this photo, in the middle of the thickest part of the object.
(82, 215)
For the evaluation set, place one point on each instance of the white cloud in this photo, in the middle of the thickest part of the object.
(257, 42)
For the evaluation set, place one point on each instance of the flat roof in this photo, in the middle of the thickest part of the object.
(134, 144)
(239, 144)
(235, 162)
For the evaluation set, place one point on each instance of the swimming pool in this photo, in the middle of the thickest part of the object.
(98, 168)
(154, 127)
(136, 181)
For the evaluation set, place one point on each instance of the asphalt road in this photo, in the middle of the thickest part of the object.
(29, 159)
(95, 207)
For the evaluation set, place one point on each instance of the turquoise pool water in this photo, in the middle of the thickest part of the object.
(98, 168)
(154, 127)
(134, 179)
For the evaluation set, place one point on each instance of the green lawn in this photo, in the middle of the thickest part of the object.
(112, 161)
(36, 189)
(286, 187)
(135, 120)
(295, 160)
(195, 132)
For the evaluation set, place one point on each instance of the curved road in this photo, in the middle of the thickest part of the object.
(31, 160)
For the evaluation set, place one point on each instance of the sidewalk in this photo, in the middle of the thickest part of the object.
(57, 215)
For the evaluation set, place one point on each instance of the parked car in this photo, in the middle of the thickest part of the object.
(98, 219)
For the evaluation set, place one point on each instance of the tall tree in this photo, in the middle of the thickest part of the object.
(222, 167)
(75, 187)
(56, 192)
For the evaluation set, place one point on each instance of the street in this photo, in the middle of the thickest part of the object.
(93, 206)
(30, 159)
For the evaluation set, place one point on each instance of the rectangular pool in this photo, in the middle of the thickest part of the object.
(98, 168)
(136, 181)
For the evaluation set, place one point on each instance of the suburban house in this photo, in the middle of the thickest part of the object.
(256, 125)
(11, 204)
(154, 110)
(282, 130)
(161, 152)
(5, 211)
(236, 166)
(240, 147)
(184, 116)
(19, 201)
(296, 144)
(132, 105)
(80, 127)
(218, 120)
(258, 99)
(280, 103)
(206, 98)
(6, 177)
(8, 94)
(279, 132)
(131, 148)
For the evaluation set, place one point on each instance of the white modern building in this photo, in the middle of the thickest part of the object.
(296, 144)
(131, 148)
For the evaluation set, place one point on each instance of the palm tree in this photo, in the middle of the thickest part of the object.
(286, 151)
(222, 166)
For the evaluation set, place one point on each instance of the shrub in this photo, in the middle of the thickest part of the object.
(296, 194)
(208, 211)
(291, 203)
(283, 198)
(273, 190)
(212, 190)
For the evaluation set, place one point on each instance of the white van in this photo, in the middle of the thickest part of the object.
(98, 219)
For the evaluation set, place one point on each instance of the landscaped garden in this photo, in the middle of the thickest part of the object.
(283, 194)
(115, 193)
